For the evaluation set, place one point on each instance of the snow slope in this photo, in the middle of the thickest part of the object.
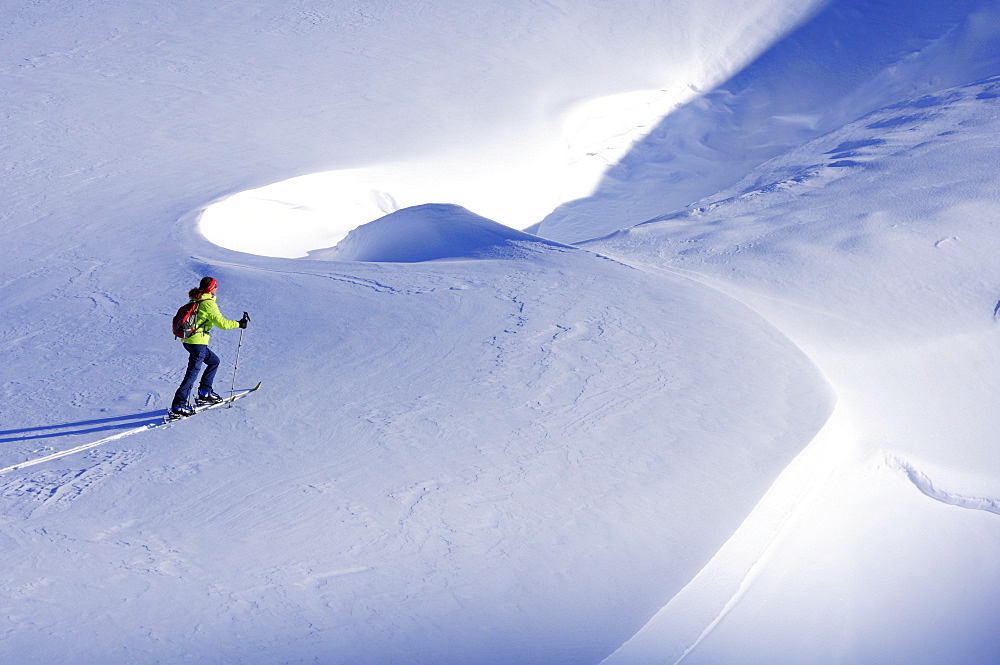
(452, 462)
(850, 58)
(759, 430)
(874, 249)
(505, 108)
(447, 462)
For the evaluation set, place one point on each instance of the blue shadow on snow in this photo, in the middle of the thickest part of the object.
(82, 427)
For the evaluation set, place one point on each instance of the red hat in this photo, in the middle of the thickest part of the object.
(207, 284)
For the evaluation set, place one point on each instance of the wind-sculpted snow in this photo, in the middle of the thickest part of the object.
(850, 58)
(923, 483)
(532, 454)
(874, 248)
(508, 457)
(428, 233)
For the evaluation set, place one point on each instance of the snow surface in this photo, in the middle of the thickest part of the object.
(853, 57)
(760, 428)
(505, 108)
(429, 233)
(874, 249)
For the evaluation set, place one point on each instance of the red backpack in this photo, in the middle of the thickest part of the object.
(185, 320)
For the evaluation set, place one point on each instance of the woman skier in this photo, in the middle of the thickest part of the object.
(208, 315)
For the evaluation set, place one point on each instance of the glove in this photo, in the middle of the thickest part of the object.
(245, 320)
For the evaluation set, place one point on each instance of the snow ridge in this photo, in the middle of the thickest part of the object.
(926, 486)
(429, 232)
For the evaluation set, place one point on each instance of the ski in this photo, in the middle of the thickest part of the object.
(239, 394)
(135, 430)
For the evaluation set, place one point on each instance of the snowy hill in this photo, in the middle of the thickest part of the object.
(428, 233)
(756, 429)
(457, 455)
(874, 249)
(851, 58)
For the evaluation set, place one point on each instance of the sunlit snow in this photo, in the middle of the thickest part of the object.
(310, 212)
(630, 332)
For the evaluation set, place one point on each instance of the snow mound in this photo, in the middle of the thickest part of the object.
(428, 232)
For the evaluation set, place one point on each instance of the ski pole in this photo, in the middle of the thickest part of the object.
(232, 389)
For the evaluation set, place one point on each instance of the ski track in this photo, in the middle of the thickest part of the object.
(93, 444)
(77, 449)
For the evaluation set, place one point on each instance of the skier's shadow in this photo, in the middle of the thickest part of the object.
(81, 427)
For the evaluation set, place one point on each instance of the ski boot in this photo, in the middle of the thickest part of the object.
(182, 411)
(207, 397)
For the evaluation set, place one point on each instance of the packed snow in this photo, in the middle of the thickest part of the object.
(733, 401)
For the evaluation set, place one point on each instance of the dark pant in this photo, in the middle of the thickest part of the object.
(199, 353)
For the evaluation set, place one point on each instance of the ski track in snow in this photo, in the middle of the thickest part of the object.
(76, 449)
(94, 444)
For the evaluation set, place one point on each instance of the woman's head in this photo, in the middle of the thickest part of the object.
(208, 285)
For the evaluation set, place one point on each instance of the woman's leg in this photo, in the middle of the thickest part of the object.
(211, 367)
(195, 355)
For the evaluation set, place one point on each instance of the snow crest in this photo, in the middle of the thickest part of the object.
(427, 233)
(926, 486)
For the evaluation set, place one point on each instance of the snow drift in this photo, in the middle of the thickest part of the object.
(427, 233)
(874, 249)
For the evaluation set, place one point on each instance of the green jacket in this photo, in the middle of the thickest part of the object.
(208, 316)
